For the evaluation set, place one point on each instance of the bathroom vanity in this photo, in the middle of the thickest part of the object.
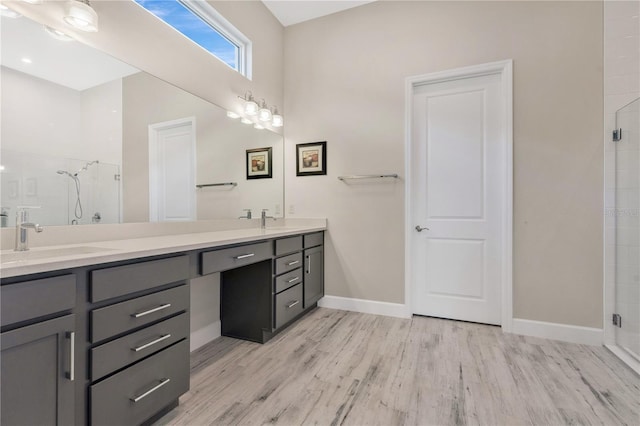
(102, 337)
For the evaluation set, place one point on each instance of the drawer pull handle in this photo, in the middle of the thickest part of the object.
(71, 375)
(146, 345)
(244, 256)
(292, 304)
(292, 280)
(295, 262)
(150, 391)
(150, 311)
(309, 265)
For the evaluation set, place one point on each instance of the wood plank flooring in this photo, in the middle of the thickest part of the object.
(344, 368)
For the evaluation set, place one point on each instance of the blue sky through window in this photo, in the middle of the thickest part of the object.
(193, 27)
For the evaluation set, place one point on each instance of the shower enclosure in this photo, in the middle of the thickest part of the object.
(67, 191)
(627, 229)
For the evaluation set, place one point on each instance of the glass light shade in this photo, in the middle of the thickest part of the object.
(250, 107)
(246, 121)
(264, 114)
(81, 16)
(258, 126)
(277, 120)
(232, 114)
(33, 1)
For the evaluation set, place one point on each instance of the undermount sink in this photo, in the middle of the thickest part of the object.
(36, 253)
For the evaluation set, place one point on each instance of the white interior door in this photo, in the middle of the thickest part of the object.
(458, 185)
(172, 171)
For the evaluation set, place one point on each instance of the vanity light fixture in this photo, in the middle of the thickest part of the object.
(245, 121)
(5, 11)
(34, 1)
(265, 113)
(79, 14)
(250, 105)
(232, 114)
(277, 120)
(258, 126)
(57, 34)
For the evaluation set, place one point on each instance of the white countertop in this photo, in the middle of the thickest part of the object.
(52, 258)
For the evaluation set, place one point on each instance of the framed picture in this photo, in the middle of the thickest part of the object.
(259, 163)
(311, 159)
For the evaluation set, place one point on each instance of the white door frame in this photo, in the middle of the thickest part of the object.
(505, 70)
(154, 129)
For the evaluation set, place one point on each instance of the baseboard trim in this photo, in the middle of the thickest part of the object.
(364, 306)
(625, 357)
(555, 331)
(205, 335)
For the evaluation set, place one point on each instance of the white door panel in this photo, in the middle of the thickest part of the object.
(457, 165)
(172, 171)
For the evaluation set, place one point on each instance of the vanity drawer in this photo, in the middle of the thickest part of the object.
(154, 382)
(220, 260)
(288, 245)
(288, 305)
(135, 346)
(287, 263)
(124, 316)
(120, 280)
(312, 240)
(285, 281)
(36, 298)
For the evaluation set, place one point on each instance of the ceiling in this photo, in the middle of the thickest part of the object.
(290, 12)
(68, 63)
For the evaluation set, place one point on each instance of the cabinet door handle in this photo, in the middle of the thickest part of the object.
(150, 311)
(292, 280)
(309, 264)
(153, 342)
(295, 262)
(292, 304)
(71, 375)
(244, 256)
(150, 391)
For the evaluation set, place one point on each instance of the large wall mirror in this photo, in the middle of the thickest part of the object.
(89, 139)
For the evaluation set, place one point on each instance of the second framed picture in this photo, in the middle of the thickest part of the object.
(259, 163)
(311, 159)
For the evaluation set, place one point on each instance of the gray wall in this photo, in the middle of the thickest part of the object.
(344, 83)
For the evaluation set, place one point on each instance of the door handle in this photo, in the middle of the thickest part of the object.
(71, 375)
(420, 229)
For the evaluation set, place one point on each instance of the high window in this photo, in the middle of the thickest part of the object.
(202, 24)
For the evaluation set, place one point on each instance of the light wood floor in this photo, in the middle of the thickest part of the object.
(335, 367)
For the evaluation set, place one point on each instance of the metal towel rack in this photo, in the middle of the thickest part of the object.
(217, 184)
(394, 176)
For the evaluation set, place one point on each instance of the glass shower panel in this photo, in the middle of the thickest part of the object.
(628, 228)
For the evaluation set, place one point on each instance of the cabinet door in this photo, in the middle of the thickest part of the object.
(37, 370)
(313, 275)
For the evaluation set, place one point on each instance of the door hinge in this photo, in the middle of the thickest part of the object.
(617, 320)
(617, 135)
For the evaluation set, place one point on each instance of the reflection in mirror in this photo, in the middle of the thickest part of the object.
(92, 140)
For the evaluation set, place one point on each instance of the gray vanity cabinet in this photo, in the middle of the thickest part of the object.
(37, 359)
(313, 269)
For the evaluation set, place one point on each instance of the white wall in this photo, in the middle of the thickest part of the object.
(344, 83)
(621, 86)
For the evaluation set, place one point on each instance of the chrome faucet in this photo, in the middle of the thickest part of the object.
(264, 217)
(247, 216)
(22, 226)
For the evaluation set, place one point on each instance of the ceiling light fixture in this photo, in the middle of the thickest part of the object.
(79, 14)
(258, 126)
(5, 11)
(232, 114)
(250, 105)
(26, 60)
(277, 120)
(264, 114)
(246, 121)
(57, 34)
